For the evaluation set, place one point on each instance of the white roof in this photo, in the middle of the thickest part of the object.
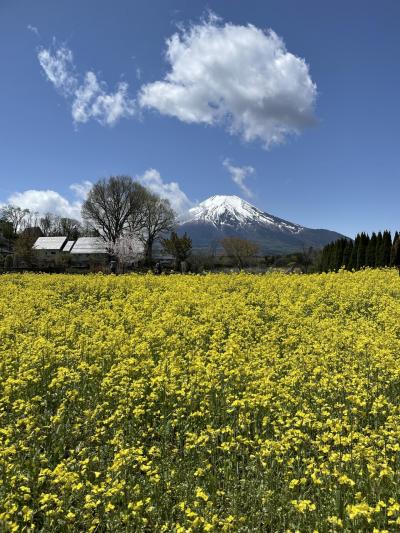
(68, 246)
(49, 243)
(89, 245)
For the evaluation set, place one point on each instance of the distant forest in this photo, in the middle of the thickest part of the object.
(377, 250)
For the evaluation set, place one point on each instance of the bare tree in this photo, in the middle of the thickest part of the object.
(239, 249)
(111, 205)
(306, 258)
(69, 227)
(48, 224)
(31, 220)
(15, 215)
(158, 219)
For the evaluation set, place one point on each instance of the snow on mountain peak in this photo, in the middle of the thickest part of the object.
(221, 210)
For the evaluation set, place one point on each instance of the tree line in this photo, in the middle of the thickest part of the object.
(376, 251)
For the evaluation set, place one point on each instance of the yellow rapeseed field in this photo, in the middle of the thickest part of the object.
(218, 403)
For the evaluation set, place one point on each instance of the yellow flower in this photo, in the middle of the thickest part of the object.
(303, 505)
(249, 393)
(201, 494)
(360, 509)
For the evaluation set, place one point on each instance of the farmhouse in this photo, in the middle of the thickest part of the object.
(85, 253)
(47, 248)
(89, 252)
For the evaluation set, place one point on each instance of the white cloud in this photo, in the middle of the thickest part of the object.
(90, 98)
(239, 76)
(49, 201)
(152, 180)
(59, 69)
(81, 190)
(239, 175)
(44, 201)
(92, 101)
(33, 29)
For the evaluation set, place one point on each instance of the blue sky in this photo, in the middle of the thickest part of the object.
(193, 134)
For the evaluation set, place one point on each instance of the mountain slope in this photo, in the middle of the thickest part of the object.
(224, 216)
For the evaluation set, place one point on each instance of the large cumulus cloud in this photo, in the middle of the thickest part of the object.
(240, 76)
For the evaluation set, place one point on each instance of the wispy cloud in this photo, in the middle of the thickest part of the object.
(239, 175)
(89, 96)
(58, 65)
(92, 101)
(33, 29)
(234, 75)
(171, 191)
(81, 189)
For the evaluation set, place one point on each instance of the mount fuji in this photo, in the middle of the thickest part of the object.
(226, 216)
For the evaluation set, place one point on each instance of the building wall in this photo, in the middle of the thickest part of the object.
(87, 260)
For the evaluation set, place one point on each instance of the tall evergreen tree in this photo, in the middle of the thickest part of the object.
(338, 255)
(332, 257)
(379, 250)
(396, 254)
(323, 262)
(327, 258)
(370, 256)
(354, 252)
(348, 249)
(362, 249)
(386, 248)
(393, 250)
(329, 253)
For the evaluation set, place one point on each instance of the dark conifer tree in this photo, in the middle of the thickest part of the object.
(339, 251)
(327, 258)
(362, 249)
(396, 254)
(370, 256)
(348, 249)
(332, 265)
(335, 255)
(329, 253)
(393, 250)
(386, 248)
(329, 261)
(354, 253)
(322, 260)
(379, 250)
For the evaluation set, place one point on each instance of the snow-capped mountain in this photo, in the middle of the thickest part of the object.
(221, 216)
(234, 211)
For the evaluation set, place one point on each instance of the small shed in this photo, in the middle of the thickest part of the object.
(47, 248)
